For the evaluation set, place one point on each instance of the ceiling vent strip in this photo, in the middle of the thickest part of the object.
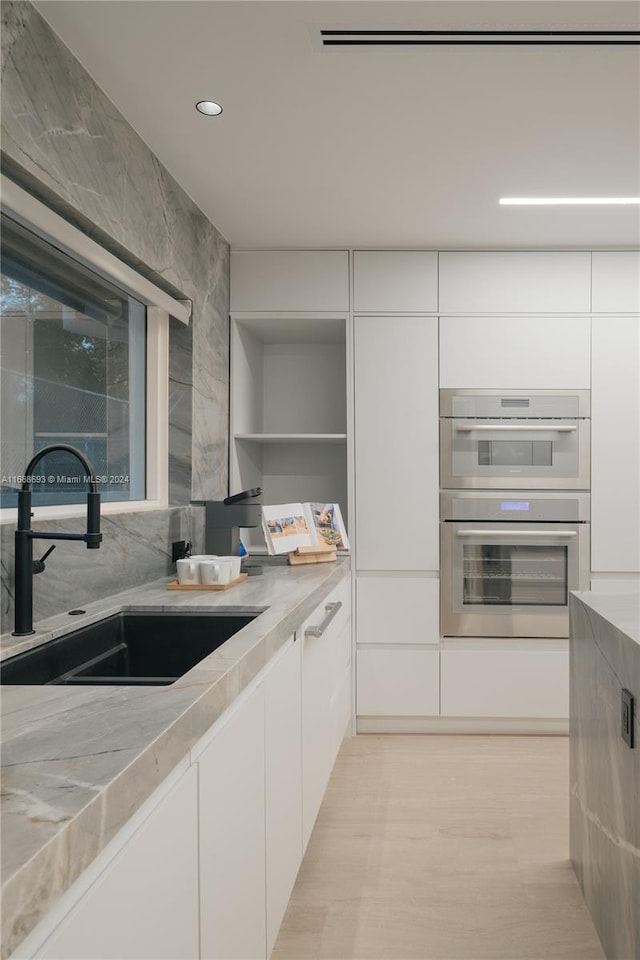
(377, 38)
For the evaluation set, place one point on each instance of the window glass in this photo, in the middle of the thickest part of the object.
(72, 348)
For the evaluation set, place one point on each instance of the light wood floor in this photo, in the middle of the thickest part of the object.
(441, 847)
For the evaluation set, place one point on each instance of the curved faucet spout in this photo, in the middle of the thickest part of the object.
(64, 448)
(24, 535)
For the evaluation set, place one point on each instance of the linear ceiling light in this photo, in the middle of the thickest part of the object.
(377, 38)
(567, 201)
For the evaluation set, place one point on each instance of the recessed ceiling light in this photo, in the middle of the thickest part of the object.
(567, 201)
(209, 107)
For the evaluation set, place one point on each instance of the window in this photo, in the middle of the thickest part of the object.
(83, 361)
(73, 371)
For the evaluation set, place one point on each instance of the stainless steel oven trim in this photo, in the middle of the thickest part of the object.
(579, 482)
(512, 621)
(447, 394)
(581, 500)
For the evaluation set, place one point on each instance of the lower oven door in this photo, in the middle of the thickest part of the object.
(511, 580)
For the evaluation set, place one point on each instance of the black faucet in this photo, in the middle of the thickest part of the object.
(26, 567)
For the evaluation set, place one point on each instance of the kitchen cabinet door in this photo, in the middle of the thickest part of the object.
(615, 445)
(615, 281)
(282, 280)
(232, 836)
(395, 281)
(144, 905)
(515, 281)
(397, 609)
(399, 681)
(516, 353)
(505, 678)
(283, 784)
(396, 443)
(326, 697)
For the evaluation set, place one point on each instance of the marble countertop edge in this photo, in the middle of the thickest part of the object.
(620, 610)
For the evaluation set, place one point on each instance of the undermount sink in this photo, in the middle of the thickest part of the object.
(141, 649)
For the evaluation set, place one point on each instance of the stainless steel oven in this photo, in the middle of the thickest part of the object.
(509, 560)
(515, 439)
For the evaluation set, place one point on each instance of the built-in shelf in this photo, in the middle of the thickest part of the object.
(292, 437)
(289, 410)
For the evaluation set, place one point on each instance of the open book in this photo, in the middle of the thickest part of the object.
(287, 526)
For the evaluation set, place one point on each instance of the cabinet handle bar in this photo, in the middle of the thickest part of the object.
(331, 611)
(516, 428)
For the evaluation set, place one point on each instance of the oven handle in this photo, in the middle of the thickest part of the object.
(472, 427)
(516, 533)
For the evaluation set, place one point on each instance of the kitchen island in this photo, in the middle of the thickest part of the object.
(604, 769)
(78, 763)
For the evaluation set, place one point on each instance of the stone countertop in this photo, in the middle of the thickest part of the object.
(78, 762)
(621, 610)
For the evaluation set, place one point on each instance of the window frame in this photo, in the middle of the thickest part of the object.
(38, 218)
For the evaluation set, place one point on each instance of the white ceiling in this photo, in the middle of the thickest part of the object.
(406, 147)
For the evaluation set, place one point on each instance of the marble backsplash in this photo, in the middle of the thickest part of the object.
(66, 143)
(605, 772)
(136, 548)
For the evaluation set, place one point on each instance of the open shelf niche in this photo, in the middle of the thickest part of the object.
(289, 410)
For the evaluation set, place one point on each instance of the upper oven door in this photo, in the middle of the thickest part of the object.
(511, 454)
(536, 441)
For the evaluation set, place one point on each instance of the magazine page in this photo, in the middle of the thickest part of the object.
(286, 528)
(325, 519)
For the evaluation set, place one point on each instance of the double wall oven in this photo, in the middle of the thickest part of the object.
(514, 511)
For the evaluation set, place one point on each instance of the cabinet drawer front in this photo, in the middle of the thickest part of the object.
(516, 353)
(397, 682)
(326, 672)
(615, 281)
(513, 679)
(396, 281)
(283, 785)
(305, 280)
(615, 461)
(515, 281)
(397, 609)
(137, 907)
(232, 837)
(396, 442)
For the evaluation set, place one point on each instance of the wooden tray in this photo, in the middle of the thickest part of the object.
(174, 585)
(313, 555)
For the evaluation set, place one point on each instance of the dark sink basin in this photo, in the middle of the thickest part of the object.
(126, 649)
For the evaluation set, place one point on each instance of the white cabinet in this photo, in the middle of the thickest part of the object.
(516, 353)
(398, 681)
(615, 281)
(615, 445)
(514, 281)
(283, 783)
(505, 678)
(289, 410)
(284, 280)
(395, 281)
(326, 697)
(396, 443)
(232, 836)
(144, 905)
(397, 609)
